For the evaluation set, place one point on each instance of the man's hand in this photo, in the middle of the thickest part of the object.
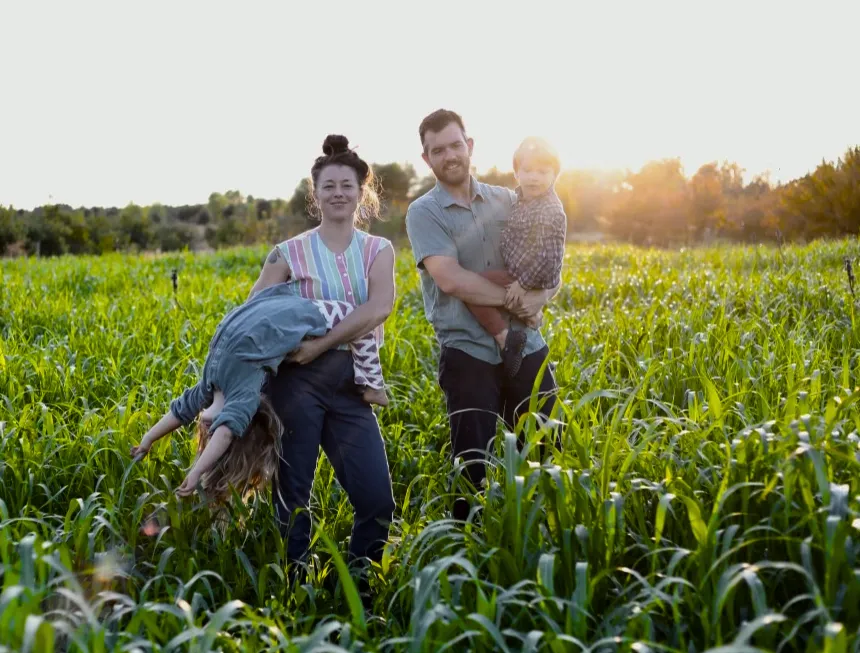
(514, 295)
(308, 351)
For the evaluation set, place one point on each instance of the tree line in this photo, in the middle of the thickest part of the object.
(658, 205)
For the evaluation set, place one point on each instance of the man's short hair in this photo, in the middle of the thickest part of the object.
(539, 149)
(437, 121)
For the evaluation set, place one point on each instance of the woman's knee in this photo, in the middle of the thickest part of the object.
(374, 501)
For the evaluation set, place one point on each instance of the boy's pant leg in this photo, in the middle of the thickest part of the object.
(472, 390)
(491, 318)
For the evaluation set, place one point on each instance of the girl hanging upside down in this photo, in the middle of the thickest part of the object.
(234, 418)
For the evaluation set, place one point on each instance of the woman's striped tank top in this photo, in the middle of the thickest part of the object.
(319, 273)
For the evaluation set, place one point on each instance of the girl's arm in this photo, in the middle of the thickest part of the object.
(216, 447)
(165, 426)
(365, 318)
(275, 270)
(182, 411)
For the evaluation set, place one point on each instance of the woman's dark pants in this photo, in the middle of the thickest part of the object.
(320, 406)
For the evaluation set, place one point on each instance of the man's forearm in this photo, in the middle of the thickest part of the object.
(472, 288)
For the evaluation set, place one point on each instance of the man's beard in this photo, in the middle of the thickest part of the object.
(453, 176)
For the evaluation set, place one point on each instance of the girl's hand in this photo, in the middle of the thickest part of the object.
(139, 452)
(188, 486)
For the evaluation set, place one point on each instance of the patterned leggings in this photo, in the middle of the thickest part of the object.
(365, 352)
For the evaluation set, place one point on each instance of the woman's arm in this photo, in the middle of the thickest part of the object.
(275, 270)
(365, 318)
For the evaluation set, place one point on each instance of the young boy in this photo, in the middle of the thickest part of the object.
(532, 245)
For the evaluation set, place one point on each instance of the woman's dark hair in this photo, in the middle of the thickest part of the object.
(336, 151)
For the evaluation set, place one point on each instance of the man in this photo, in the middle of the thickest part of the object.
(455, 232)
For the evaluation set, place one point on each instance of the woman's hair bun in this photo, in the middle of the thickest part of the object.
(335, 144)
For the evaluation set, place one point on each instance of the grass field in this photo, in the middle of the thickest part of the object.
(706, 496)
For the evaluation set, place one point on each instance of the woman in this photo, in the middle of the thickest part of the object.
(313, 392)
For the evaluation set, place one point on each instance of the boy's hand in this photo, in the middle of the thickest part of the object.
(514, 296)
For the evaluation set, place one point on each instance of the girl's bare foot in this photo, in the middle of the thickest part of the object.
(375, 396)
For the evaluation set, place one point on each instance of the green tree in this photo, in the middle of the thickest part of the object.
(395, 181)
(652, 206)
(299, 204)
(135, 227)
(498, 178)
(175, 237)
(102, 233)
(77, 232)
(46, 231)
(828, 200)
(421, 186)
(11, 228)
(586, 196)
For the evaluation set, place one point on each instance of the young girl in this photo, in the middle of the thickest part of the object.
(254, 337)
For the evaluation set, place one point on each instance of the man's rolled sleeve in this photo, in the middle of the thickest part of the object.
(426, 234)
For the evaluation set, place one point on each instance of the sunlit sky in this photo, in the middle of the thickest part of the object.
(104, 103)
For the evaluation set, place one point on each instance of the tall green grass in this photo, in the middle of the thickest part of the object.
(706, 496)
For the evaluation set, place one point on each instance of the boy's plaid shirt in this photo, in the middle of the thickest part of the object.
(533, 240)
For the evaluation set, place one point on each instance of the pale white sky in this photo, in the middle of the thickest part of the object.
(103, 103)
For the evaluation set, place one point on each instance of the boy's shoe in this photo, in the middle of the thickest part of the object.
(512, 354)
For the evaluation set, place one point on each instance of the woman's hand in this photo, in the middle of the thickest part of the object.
(308, 351)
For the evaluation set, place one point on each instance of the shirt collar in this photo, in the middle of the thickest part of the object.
(446, 200)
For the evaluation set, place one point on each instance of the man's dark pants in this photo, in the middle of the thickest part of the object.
(476, 393)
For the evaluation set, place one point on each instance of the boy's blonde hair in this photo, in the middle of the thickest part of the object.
(537, 148)
(250, 462)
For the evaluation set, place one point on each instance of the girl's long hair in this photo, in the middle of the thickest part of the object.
(250, 464)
